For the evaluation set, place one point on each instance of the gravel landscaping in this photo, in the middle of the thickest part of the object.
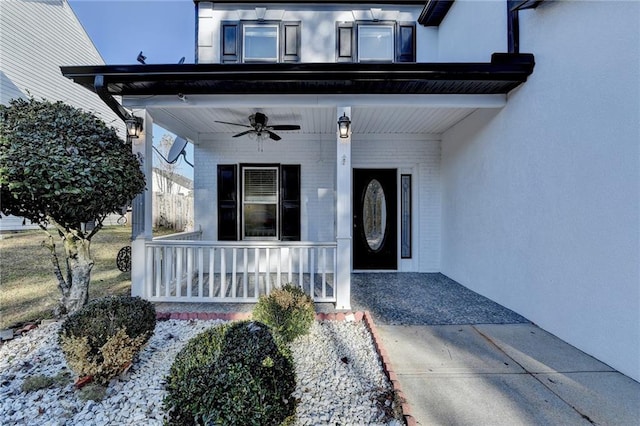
(339, 379)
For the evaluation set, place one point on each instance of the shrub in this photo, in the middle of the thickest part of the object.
(37, 382)
(289, 311)
(102, 339)
(232, 375)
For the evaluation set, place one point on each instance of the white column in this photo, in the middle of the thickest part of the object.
(142, 218)
(343, 216)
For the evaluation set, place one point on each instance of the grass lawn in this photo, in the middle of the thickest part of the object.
(29, 290)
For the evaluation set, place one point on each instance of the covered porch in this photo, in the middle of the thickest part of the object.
(396, 115)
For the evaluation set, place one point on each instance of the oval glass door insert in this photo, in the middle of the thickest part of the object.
(374, 215)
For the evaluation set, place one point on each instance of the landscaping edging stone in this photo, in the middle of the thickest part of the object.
(357, 316)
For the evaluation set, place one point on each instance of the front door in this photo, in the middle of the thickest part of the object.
(374, 219)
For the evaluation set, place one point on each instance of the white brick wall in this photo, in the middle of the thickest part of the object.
(413, 155)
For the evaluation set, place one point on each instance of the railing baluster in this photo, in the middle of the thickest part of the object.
(301, 268)
(168, 265)
(267, 272)
(223, 272)
(245, 274)
(182, 264)
(179, 265)
(324, 272)
(233, 273)
(312, 273)
(279, 268)
(212, 264)
(200, 271)
(256, 271)
(157, 260)
(290, 251)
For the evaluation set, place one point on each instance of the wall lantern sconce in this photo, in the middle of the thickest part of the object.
(134, 127)
(344, 125)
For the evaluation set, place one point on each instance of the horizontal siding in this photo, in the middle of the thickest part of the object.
(317, 161)
(420, 158)
(316, 155)
(36, 39)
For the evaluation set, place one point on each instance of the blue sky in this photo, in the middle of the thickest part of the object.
(163, 29)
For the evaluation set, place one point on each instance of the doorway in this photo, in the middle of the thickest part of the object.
(375, 219)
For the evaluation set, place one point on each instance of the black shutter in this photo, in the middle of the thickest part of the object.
(290, 46)
(345, 42)
(405, 42)
(227, 202)
(230, 42)
(290, 202)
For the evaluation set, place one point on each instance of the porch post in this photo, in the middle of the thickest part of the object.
(343, 215)
(142, 209)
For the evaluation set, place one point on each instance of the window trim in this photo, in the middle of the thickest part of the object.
(232, 41)
(358, 33)
(243, 202)
(278, 30)
(347, 41)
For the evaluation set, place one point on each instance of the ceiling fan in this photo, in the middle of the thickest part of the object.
(258, 127)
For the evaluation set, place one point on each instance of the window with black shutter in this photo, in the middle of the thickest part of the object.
(260, 41)
(375, 41)
(259, 202)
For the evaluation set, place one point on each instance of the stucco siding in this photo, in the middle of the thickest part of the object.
(541, 200)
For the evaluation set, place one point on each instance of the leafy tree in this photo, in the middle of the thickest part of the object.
(61, 168)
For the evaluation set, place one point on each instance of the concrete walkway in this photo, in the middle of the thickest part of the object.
(462, 359)
(506, 374)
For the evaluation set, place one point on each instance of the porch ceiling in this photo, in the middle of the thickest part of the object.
(196, 123)
(385, 98)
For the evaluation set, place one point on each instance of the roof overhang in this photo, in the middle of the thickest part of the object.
(504, 73)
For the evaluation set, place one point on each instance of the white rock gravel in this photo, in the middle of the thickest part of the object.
(339, 379)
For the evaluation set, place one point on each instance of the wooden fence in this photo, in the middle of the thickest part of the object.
(173, 211)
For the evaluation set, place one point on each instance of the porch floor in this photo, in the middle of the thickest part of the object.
(399, 299)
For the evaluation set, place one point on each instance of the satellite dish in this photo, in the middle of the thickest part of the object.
(176, 149)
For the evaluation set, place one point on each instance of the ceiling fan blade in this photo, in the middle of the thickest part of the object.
(273, 135)
(285, 127)
(233, 124)
(243, 133)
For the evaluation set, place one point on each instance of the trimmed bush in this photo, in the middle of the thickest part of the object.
(231, 375)
(289, 311)
(102, 339)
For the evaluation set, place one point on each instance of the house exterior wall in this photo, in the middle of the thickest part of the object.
(416, 155)
(316, 156)
(36, 38)
(485, 30)
(541, 199)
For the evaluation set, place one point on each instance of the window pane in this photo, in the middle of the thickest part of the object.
(374, 215)
(261, 42)
(260, 186)
(375, 43)
(260, 220)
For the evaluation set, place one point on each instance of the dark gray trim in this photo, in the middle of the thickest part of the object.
(434, 12)
(502, 74)
(101, 89)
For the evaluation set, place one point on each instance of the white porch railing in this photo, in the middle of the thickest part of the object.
(179, 269)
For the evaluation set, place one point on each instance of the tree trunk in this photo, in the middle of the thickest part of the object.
(80, 264)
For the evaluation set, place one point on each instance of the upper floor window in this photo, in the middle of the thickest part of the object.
(375, 42)
(260, 41)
